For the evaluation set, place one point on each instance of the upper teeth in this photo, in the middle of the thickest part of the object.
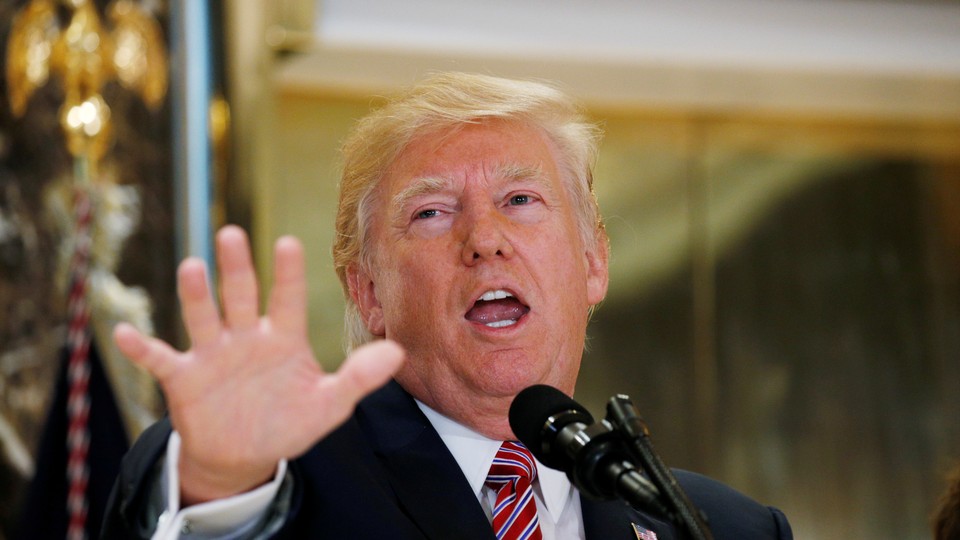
(498, 294)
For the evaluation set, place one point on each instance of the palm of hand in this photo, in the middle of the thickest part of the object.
(254, 395)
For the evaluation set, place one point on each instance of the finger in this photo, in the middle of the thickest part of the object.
(365, 369)
(288, 299)
(238, 282)
(197, 306)
(152, 354)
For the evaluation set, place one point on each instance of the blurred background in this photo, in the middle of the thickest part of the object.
(780, 182)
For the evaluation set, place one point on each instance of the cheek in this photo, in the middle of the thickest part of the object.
(567, 276)
(411, 294)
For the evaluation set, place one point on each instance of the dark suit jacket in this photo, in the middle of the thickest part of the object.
(387, 474)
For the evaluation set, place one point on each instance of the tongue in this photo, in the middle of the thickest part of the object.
(496, 310)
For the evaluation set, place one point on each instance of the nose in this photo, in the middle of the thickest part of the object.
(484, 233)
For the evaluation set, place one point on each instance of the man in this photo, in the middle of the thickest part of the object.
(470, 243)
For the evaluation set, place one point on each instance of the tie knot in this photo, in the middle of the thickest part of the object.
(513, 463)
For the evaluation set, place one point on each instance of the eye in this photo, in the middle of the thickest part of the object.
(518, 200)
(427, 214)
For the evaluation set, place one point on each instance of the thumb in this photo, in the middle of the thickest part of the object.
(369, 367)
(152, 354)
(366, 368)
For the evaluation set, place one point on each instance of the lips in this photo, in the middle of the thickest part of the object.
(497, 308)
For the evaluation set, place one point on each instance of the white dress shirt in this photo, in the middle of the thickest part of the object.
(558, 503)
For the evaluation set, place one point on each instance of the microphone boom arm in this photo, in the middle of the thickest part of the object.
(623, 414)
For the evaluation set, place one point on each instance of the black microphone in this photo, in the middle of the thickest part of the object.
(563, 435)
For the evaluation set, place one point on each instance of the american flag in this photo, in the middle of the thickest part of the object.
(643, 534)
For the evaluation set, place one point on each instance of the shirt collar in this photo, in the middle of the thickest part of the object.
(475, 452)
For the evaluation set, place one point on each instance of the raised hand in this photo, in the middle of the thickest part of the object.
(249, 390)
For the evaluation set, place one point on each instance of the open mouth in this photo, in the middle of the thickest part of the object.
(497, 309)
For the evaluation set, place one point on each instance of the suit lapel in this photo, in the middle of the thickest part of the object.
(613, 520)
(435, 495)
(425, 477)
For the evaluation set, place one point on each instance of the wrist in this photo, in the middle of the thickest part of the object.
(201, 483)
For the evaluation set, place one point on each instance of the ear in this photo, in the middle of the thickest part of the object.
(598, 274)
(364, 295)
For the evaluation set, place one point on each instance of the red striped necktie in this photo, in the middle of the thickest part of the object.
(511, 476)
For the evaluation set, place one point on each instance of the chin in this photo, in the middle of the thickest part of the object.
(511, 382)
(555, 378)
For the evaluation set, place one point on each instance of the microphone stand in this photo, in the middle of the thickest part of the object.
(601, 469)
(625, 417)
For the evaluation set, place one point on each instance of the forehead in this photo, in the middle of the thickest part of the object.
(473, 151)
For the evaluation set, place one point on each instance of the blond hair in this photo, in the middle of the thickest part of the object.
(439, 103)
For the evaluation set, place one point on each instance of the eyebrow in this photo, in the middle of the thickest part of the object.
(515, 172)
(419, 186)
(524, 173)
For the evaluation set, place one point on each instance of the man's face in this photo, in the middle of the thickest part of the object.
(479, 269)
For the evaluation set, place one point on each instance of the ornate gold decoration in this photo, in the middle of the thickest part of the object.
(86, 57)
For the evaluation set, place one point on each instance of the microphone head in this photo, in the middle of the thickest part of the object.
(537, 415)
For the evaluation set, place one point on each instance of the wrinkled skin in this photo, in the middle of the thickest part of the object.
(468, 212)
